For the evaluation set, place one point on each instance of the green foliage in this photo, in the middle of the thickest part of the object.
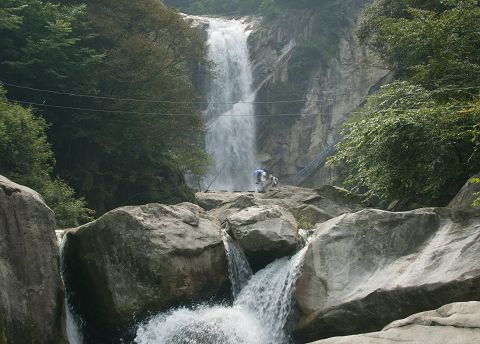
(127, 153)
(26, 158)
(476, 202)
(405, 145)
(44, 38)
(417, 142)
(435, 43)
(69, 210)
(304, 221)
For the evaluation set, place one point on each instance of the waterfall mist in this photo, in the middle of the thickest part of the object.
(259, 315)
(230, 121)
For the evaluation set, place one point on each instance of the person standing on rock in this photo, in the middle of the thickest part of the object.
(274, 181)
(258, 180)
(263, 181)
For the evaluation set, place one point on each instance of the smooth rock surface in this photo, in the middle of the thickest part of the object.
(265, 233)
(456, 323)
(366, 269)
(31, 291)
(139, 260)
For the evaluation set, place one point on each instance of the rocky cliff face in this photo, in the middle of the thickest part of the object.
(309, 54)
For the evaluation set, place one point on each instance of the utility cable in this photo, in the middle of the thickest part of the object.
(146, 113)
(196, 114)
(71, 94)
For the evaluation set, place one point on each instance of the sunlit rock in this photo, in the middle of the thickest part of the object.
(265, 233)
(366, 269)
(452, 323)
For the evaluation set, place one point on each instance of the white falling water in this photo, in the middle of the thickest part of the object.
(73, 331)
(269, 295)
(230, 137)
(259, 315)
(238, 268)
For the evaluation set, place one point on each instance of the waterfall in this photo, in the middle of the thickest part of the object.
(73, 331)
(230, 121)
(269, 294)
(259, 314)
(238, 268)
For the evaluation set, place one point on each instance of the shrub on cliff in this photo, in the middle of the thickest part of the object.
(405, 145)
(417, 142)
(434, 43)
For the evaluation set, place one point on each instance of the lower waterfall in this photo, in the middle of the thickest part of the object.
(259, 314)
(74, 334)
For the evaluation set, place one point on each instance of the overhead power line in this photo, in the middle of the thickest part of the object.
(149, 100)
(71, 94)
(145, 113)
(196, 114)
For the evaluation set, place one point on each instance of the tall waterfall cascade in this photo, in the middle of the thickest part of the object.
(259, 314)
(230, 121)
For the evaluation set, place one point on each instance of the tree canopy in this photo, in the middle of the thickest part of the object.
(433, 43)
(26, 158)
(113, 81)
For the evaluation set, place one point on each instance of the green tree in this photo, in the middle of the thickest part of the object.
(41, 44)
(405, 145)
(434, 43)
(137, 151)
(129, 151)
(26, 158)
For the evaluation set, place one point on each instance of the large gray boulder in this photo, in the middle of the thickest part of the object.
(457, 323)
(366, 269)
(31, 291)
(138, 260)
(265, 233)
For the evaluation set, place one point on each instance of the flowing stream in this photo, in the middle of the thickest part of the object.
(230, 121)
(259, 315)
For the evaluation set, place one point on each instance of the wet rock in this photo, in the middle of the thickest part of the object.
(366, 269)
(139, 260)
(265, 233)
(452, 323)
(31, 291)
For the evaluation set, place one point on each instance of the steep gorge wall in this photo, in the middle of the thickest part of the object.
(309, 54)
